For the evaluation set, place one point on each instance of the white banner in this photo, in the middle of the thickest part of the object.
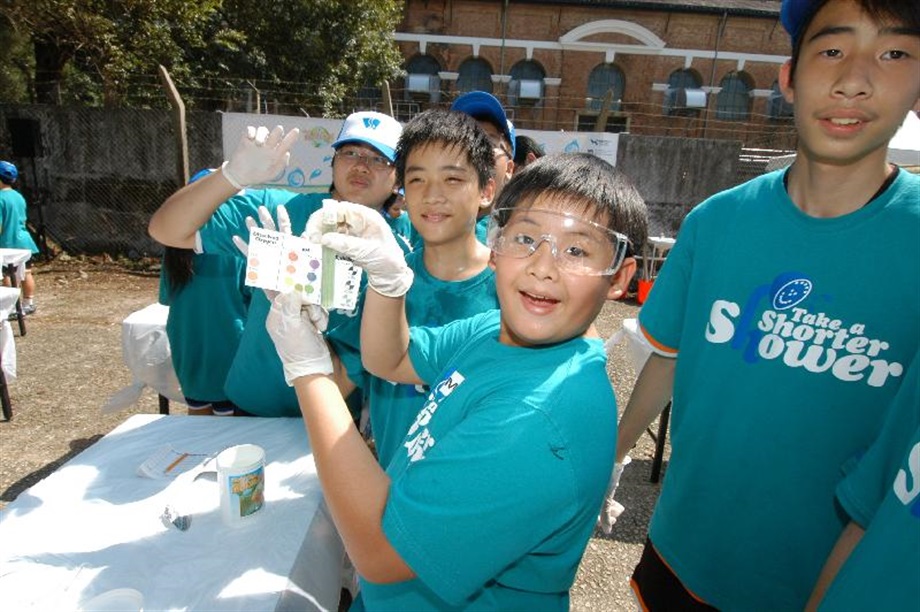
(310, 168)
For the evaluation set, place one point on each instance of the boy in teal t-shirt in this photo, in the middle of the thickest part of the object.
(874, 565)
(781, 370)
(13, 231)
(363, 172)
(493, 493)
(444, 162)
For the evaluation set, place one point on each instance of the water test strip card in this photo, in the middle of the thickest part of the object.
(282, 262)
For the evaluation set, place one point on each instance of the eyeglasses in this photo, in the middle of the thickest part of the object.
(579, 247)
(374, 162)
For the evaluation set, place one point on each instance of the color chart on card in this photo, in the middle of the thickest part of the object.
(282, 262)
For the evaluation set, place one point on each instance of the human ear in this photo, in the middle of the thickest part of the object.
(492, 260)
(486, 194)
(619, 283)
(785, 81)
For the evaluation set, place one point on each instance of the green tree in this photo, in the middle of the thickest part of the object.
(310, 54)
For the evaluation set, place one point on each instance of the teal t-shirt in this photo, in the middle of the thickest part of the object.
(205, 323)
(13, 217)
(482, 230)
(431, 302)
(255, 381)
(496, 488)
(882, 495)
(792, 334)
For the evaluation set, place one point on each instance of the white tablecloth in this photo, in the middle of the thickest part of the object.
(145, 350)
(93, 526)
(16, 257)
(8, 297)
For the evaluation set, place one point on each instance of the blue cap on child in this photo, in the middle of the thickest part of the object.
(483, 105)
(795, 15)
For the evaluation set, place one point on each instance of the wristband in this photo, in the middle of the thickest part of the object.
(230, 178)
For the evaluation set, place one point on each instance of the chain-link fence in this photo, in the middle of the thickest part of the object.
(92, 177)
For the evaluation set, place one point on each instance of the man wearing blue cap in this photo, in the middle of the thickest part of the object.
(489, 114)
(781, 366)
(363, 172)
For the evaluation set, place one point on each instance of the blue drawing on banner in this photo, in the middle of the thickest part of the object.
(295, 178)
(572, 147)
(279, 177)
(315, 174)
(327, 158)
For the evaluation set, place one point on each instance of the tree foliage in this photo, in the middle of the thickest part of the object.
(311, 54)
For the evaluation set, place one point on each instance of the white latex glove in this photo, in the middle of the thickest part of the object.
(612, 509)
(260, 156)
(364, 237)
(265, 218)
(296, 329)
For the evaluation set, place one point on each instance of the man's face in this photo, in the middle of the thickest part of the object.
(854, 82)
(504, 162)
(362, 175)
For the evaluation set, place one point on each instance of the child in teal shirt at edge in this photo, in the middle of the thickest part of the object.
(874, 565)
(492, 497)
(444, 162)
(208, 301)
(363, 172)
(13, 231)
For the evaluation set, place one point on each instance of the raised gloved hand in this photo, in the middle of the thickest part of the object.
(612, 509)
(260, 156)
(363, 236)
(296, 329)
(266, 221)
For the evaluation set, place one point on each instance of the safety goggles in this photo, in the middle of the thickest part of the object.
(579, 247)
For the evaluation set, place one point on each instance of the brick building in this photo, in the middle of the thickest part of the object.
(698, 68)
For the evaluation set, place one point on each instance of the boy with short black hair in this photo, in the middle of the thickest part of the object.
(494, 492)
(444, 162)
(782, 365)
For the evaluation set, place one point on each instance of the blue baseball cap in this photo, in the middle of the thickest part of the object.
(795, 16)
(485, 106)
(8, 172)
(375, 129)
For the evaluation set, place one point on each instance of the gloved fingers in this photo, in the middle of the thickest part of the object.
(251, 223)
(261, 135)
(271, 294)
(317, 315)
(352, 247)
(265, 218)
(284, 219)
(241, 245)
(288, 141)
(273, 138)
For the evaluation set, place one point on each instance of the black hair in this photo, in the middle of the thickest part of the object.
(904, 12)
(589, 185)
(523, 146)
(450, 129)
(179, 268)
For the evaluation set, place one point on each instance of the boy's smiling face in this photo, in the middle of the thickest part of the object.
(443, 196)
(854, 81)
(541, 304)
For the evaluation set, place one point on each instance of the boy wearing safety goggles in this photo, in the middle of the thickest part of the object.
(492, 497)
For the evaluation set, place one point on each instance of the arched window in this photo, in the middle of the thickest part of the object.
(475, 75)
(422, 80)
(526, 85)
(684, 96)
(777, 108)
(604, 78)
(734, 100)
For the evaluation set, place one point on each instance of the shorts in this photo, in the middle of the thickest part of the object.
(220, 408)
(657, 587)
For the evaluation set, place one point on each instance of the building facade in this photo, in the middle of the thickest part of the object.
(696, 69)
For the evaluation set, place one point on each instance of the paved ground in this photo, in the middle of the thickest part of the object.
(69, 363)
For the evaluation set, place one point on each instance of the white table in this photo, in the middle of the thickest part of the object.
(17, 258)
(145, 350)
(8, 298)
(94, 525)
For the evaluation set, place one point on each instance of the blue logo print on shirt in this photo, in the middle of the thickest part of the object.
(779, 322)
